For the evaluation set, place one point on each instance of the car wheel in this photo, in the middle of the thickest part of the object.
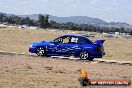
(84, 55)
(40, 51)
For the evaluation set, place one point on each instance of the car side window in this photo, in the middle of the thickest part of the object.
(58, 40)
(80, 41)
(63, 39)
(75, 40)
(66, 40)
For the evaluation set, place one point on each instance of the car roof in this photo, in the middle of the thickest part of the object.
(73, 35)
(79, 36)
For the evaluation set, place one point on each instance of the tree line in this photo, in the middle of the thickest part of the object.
(44, 22)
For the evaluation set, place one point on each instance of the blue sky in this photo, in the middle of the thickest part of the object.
(108, 10)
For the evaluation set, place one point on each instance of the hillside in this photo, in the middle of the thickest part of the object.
(81, 20)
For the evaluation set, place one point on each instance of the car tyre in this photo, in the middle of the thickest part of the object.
(84, 55)
(40, 51)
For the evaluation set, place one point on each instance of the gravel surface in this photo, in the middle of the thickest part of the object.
(42, 72)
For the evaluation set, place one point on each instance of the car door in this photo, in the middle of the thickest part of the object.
(65, 46)
(72, 47)
(54, 47)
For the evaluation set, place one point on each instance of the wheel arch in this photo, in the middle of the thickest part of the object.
(84, 50)
(38, 47)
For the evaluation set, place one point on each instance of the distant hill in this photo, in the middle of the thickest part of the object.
(33, 16)
(74, 19)
(81, 20)
(118, 24)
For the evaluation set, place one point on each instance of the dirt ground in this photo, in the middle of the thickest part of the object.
(41, 72)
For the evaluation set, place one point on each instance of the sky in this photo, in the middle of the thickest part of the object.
(107, 10)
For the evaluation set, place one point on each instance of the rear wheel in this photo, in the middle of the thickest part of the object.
(40, 51)
(85, 55)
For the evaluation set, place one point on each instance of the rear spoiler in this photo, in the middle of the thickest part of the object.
(99, 42)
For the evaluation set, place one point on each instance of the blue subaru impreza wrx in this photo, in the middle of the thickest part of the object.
(69, 45)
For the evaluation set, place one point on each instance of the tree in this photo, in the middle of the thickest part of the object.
(33, 23)
(2, 17)
(46, 21)
(9, 20)
(131, 32)
(53, 24)
(27, 21)
(122, 30)
(16, 20)
(41, 21)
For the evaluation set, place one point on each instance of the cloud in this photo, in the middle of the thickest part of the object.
(105, 9)
(93, 2)
(115, 2)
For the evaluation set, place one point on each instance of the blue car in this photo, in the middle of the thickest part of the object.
(69, 45)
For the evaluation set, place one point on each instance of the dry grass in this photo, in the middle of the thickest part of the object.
(14, 40)
(118, 48)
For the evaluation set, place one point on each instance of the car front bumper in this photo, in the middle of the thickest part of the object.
(32, 49)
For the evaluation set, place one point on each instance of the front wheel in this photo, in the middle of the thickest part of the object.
(40, 51)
